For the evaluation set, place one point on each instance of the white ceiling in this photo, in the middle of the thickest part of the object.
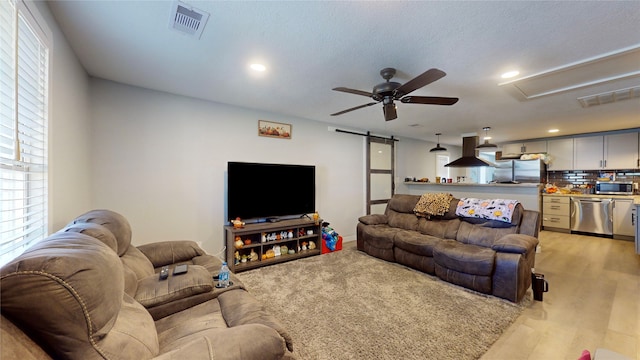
(311, 47)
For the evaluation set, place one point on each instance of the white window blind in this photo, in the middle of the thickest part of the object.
(24, 63)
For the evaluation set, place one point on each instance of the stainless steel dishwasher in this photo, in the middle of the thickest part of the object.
(592, 215)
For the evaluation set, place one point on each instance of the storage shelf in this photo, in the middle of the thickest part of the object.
(275, 260)
(254, 232)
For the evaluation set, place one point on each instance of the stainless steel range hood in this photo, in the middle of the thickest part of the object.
(469, 158)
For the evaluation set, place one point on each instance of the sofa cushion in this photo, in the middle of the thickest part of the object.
(67, 290)
(402, 220)
(415, 242)
(380, 236)
(515, 243)
(209, 262)
(170, 252)
(481, 235)
(243, 331)
(153, 292)
(134, 260)
(116, 223)
(373, 219)
(444, 229)
(133, 335)
(15, 344)
(403, 203)
(464, 258)
(96, 231)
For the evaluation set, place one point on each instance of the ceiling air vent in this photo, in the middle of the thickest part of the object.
(187, 19)
(610, 97)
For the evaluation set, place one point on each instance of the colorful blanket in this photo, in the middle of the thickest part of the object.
(490, 209)
(433, 204)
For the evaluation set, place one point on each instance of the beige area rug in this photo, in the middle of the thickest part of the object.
(349, 305)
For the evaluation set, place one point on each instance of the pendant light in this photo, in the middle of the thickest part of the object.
(438, 148)
(486, 145)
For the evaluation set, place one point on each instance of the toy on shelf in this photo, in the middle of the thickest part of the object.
(237, 223)
(238, 242)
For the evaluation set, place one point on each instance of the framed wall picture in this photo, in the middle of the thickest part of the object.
(274, 129)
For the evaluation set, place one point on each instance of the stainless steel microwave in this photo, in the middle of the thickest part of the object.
(614, 187)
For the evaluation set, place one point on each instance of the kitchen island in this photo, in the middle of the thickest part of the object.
(527, 194)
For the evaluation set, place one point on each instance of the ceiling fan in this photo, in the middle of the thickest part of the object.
(389, 91)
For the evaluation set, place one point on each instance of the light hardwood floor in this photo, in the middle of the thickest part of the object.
(593, 302)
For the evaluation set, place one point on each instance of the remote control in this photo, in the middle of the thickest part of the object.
(164, 273)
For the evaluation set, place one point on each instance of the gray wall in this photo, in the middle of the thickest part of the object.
(160, 159)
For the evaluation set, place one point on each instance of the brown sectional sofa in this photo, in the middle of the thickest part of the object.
(488, 256)
(86, 293)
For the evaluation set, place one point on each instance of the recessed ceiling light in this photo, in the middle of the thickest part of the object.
(510, 74)
(553, 130)
(258, 67)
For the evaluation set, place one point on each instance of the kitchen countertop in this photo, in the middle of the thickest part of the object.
(472, 184)
(636, 198)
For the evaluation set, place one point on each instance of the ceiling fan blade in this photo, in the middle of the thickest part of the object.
(353, 91)
(390, 112)
(353, 108)
(419, 81)
(430, 100)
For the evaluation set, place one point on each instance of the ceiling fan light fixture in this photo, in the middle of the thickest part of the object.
(389, 91)
(486, 145)
(438, 148)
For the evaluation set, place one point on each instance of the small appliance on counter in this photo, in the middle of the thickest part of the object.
(614, 187)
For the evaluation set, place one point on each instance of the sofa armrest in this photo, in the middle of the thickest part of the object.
(515, 244)
(373, 219)
(171, 252)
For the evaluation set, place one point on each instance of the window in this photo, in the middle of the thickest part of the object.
(441, 170)
(24, 88)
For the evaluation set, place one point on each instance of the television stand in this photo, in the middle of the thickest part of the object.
(294, 234)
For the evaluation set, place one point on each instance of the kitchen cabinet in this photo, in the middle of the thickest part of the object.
(529, 147)
(637, 230)
(556, 213)
(624, 218)
(621, 151)
(561, 153)
(616, 151)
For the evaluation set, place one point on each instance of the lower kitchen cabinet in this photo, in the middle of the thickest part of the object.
(556, 211)
(624, 218)
(637, 230)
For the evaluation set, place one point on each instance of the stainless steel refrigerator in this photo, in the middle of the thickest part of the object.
(503, 171)
(520, 171)
(529, 171)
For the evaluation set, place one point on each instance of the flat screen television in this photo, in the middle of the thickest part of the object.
(257, 191)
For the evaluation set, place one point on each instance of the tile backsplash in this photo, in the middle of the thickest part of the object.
(578, 177)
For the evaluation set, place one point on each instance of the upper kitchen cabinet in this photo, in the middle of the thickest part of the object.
(561, 153)
(530, 147)
(621, 151)
(616, 151)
